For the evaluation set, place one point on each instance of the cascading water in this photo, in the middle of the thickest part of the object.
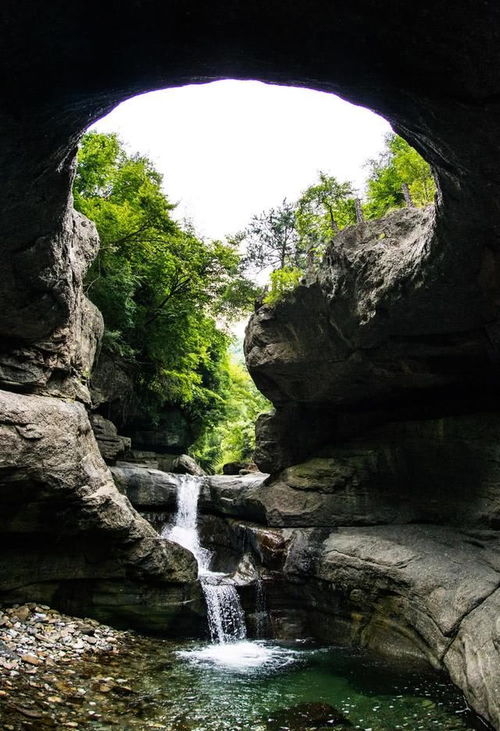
(226, 619)
(185, 526)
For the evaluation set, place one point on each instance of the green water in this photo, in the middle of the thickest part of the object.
(250, 686)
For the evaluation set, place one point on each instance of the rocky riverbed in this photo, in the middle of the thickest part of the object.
(58, 671)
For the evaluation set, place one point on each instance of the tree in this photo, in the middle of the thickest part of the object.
(399, 163)
(271, 239)
(233, 438)
(160, 288)
(323, 209)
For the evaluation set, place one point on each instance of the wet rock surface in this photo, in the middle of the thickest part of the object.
(148, 489)
(419, 591)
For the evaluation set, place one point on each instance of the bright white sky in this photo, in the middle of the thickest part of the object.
(230, 149)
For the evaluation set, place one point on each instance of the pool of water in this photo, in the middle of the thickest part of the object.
(269, 686)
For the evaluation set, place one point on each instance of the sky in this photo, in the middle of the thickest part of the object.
(232, 149)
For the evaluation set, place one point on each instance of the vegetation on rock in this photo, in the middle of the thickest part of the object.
(290, 239)
(233, 438)
(398, 164)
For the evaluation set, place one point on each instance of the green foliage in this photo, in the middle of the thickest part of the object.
(288, 239)
(272, 240)
(399, 163)
(282, 281)
(158, 286)
(322, 211)
(233, 438)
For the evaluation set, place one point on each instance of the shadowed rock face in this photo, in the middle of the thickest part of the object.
(374, 334)
(417, 315)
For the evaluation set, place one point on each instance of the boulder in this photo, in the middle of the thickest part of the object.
(147, 489)
(186, 465)
(60, 503)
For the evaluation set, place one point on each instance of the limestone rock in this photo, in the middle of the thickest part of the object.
(443, 471)
(153, 490)
(146, 488)
(430, 324)
(111, 384)
(421, 589)
(417, 591)
(367, 336)
(57, 358)
(58, 491)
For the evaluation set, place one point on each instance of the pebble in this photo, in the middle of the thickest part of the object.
(36, 686)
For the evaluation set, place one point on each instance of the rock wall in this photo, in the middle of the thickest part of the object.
(68, 537)
(383, 370)
(381, 331)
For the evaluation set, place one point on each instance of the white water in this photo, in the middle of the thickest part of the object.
(226, 619)
(185, 527)
(242, 657)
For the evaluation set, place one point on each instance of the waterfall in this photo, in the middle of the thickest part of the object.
(185, 527)
(226, 619)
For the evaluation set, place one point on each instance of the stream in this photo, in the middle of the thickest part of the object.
(61, 672)
(235, 683)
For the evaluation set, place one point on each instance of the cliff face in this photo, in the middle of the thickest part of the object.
(387, 329)
(68, 537)
(384, 446)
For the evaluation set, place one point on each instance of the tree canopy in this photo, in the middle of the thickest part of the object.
(272, 240)
(161, 289)
(398, 164)
(289, 239)
(322, 210)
